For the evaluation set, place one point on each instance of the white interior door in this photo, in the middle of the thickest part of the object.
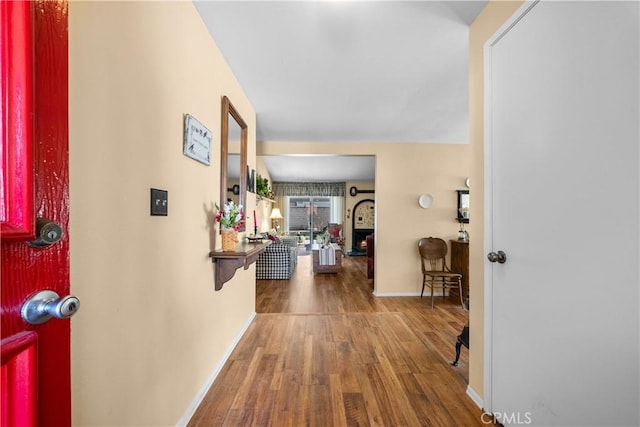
(562, 188)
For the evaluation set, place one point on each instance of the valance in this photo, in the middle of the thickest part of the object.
(319, 189)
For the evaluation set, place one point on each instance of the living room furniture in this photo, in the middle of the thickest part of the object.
(228, 262)
(433, 253)
(279, 259)
(460, 263)
(292, 241)
(319, 267)
(370, 240)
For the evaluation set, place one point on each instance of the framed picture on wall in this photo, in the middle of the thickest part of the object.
(197, 140)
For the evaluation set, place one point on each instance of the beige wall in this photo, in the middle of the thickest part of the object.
(151, 329)
(403, 173)
(483, 27)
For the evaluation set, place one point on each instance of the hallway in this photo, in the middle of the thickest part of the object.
(324, 351)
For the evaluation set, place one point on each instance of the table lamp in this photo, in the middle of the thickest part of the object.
(276, 216)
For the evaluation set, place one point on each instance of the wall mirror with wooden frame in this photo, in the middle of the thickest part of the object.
(233, 157)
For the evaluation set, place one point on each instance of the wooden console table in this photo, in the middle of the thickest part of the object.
(228, 262)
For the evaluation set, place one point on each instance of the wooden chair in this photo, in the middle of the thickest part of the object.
(433, 253)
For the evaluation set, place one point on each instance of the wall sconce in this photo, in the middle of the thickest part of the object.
(425, 201)
(276, 216)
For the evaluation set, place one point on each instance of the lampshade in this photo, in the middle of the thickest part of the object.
(275, 214)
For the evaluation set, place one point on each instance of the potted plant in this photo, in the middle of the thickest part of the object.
(262, 186)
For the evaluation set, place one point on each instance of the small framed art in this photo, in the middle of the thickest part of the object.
(197, 140)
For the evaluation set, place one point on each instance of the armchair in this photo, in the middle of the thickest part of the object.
(279, 260)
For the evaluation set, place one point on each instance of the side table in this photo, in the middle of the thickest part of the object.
(335, 268)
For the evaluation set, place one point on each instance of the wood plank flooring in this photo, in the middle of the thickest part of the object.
(323, 351)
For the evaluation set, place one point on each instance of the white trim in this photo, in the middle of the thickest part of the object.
(488, 197)
(437, 293)
(475, 397)
(488, 228)
(197, 400)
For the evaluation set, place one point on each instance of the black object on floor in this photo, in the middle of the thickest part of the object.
(463, 340)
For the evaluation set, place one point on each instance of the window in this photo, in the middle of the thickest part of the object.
(307, 214)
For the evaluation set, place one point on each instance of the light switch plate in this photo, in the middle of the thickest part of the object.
(159, 202)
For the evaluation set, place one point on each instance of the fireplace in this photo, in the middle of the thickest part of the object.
(359, 245)
(363, 224)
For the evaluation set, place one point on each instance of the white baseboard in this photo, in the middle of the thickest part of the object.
(197, 400)
(406, 294)
(475, 397)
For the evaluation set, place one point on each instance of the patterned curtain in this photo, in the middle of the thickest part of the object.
(320, 189)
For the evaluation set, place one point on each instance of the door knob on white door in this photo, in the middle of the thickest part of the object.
(44, 305)
(500, 257)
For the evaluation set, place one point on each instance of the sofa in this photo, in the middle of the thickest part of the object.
(279, 259)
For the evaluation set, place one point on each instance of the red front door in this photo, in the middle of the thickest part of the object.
(35, 379)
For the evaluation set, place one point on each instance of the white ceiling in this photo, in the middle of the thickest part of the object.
(321, 168)
(341, 71)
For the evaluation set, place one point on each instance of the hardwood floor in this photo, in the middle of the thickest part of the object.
(323, 351)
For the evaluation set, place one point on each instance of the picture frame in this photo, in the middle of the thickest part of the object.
(463, 206)
(197, 140)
